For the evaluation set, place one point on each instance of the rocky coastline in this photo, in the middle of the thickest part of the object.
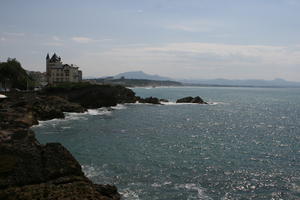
(30, 170)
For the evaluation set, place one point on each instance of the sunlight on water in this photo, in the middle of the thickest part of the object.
(245, 145)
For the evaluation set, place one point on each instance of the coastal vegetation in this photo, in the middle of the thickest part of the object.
(12, 75)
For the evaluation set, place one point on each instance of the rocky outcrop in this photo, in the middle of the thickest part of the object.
(94, 96)
(151, 100)
(196, 99)
(30, 170)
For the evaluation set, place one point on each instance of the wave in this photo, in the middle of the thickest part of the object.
(119, 107)
(79, 116)
(208, 103)
(44, 123)
(217, 103)
(91, 171)
(192, 186)
(129, 194)
(99, 111)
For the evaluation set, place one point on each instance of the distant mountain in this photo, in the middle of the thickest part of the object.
(250, 82)
(141, 75)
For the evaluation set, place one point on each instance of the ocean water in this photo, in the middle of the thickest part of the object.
(244, 145)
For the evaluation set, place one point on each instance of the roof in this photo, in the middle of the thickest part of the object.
(55, 58)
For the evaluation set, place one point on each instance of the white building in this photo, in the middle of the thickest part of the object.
(57, 72)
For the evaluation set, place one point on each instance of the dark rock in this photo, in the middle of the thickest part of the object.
(95, 96)
(185, 100)
(189, 99)
(151, 100)
(197, 99)
(110, 191)
(164, 100)
(31, 171)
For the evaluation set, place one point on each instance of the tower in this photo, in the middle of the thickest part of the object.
(48, 73)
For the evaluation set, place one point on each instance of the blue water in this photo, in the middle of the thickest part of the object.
(245, 145)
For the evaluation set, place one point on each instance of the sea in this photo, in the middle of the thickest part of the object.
(245, 144)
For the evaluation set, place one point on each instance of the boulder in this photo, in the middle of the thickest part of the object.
(190, 99)
(151, 100)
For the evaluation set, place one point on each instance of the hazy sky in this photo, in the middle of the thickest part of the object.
(234, 39)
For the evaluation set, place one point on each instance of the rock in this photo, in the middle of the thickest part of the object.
(197, 99)
(110, 191)
(190, 99)
(151, 100)
(164, 100)
(50, 107)
(31, 171)
(94, 96)
(185, 100)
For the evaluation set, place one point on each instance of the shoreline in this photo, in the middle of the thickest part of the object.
(30, 170)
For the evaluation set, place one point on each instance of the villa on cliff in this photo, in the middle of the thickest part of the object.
(57, 72)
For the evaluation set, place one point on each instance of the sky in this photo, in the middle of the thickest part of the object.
(187, 39)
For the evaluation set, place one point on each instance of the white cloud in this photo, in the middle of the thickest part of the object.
(85, 40)
(82, 39)
(14, 34)
(56, 38)
(203, 60)
(2, 38)
(54, 41)
(53, 44)
(195, 26)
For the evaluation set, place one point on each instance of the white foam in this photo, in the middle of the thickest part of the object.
(177, 104)
(192, 186)
(119, 107)
(90, 171)
(44, 123)
(156, 185)
(129, 194)
(74, 116)
(99, 111)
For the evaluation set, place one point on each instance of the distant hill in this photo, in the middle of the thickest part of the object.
(141, 75)
(250, 82)
(135, 82)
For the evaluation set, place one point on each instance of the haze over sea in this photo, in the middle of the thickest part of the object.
(244, 145)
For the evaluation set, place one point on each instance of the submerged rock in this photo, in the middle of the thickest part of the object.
(190, 99)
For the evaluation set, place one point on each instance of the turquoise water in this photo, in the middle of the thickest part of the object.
(244, 145)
